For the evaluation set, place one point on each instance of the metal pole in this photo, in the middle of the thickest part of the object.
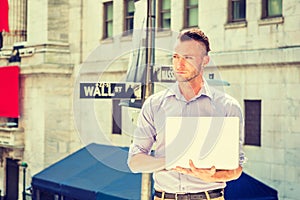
(24, 183)
(24, 165)
(150, 41)
(146, 187)
(148, 51)
(150, 34)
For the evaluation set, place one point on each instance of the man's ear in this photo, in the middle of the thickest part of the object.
(206, 60)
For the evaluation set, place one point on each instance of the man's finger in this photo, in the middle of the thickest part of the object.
(193, 167)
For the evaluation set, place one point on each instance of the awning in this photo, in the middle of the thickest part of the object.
(100, 172)
(92, 173)
(249, 188)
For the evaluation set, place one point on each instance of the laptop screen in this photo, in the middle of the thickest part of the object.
(207, 141)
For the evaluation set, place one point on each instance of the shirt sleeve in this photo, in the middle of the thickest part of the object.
(145, 133)
(235, 110)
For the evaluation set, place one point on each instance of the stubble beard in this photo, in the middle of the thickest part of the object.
(188, 79)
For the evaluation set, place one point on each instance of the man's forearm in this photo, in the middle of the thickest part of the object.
(146, 163)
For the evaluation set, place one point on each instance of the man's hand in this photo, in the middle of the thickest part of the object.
(204, 174)
(210, 174)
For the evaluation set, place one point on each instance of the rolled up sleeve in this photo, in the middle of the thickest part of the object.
(144, 134)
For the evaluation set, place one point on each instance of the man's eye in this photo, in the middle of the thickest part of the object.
(175, 56)
(188, 57)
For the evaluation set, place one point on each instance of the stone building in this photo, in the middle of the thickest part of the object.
(255, 47)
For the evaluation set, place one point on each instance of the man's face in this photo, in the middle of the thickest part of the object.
(189, 60)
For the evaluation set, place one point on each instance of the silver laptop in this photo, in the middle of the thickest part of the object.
(207, 141)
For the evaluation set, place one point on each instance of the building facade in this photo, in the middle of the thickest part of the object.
(255, 47)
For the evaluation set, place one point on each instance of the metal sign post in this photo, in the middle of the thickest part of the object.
(150, 60)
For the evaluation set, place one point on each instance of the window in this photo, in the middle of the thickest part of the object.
(17, 23)
(253, 122)
(108, 20)
(271, 8)
(117, 117)
(191, 13)
(129, 15)
(237, 10)
(164, 17)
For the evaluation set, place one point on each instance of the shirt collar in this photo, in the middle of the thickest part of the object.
(174, 91)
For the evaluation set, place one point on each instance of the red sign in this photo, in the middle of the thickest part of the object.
(9, 91)
(4, 16)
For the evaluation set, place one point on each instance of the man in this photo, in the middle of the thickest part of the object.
(190, 96)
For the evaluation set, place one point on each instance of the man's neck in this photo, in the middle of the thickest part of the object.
(191, 88)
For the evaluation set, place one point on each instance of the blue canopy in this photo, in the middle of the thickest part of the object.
(92, 173)
(100, 172)
(249, 188)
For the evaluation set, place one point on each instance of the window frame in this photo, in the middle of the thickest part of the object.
(252, 127)
(107, 21)
(231, 18)
(265, 8)
(161, 12)
(187, 8)
(127, 17)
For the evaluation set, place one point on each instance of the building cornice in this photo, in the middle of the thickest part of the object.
(275, 56)
(46, 69)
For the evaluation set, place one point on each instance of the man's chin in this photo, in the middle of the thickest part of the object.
(181, 78)
(185, 79)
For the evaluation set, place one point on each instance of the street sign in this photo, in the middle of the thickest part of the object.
(167, 73)
(108, 90)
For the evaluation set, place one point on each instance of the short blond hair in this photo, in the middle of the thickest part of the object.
(195, 34)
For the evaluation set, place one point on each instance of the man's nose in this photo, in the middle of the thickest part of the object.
(180, 62)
